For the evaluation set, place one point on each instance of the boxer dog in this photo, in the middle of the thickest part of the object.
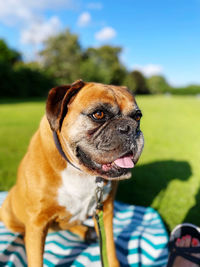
(96, 131)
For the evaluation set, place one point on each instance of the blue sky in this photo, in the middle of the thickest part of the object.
(157, 37)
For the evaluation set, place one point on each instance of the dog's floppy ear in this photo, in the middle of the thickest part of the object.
(57, 101)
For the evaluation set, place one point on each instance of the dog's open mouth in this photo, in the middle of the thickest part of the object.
(122, 162)
(116, 169)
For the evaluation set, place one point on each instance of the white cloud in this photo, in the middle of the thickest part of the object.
(27, 17)
(12, 12)
(25, 11)
(149, 69)
(50, 4)
(42, 4)
(105, 34)
(38, 32)
(84, 19)
(95, 5)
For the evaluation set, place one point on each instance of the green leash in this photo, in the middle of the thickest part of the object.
(100, 223)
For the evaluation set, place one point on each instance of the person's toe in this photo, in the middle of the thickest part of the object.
(182, 242)
(178, 240)
(188, 240)
(195, 242)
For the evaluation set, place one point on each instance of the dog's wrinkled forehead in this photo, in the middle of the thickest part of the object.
(80, 96)
(93, 95)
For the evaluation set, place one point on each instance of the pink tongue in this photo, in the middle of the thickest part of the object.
(125, 162)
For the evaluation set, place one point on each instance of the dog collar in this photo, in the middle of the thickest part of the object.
(59, 147)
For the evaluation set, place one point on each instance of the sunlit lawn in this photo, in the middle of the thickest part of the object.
(167, 176)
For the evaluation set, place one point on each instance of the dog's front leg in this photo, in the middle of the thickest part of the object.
(108, 224)
(34, 243)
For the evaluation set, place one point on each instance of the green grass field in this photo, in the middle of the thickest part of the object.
(167, 176)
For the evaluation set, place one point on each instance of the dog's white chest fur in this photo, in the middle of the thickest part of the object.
(77, 193)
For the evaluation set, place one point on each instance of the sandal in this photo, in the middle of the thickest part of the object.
(185, 252)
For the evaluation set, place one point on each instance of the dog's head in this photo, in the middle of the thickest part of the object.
(98, 126)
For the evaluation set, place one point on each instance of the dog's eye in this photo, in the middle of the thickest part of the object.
(137, 115)
(98, 115)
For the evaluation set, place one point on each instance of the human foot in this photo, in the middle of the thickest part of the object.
(186, 242)
(184, 246)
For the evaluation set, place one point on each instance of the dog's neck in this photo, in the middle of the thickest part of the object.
(60, 150)
(99, 180)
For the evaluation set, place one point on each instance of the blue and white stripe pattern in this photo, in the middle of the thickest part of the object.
(140, 237)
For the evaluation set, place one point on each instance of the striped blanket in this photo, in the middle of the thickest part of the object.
(140, 237)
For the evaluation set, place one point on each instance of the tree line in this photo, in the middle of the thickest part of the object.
(62, 60)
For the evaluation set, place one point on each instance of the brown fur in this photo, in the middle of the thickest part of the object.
(31, 206)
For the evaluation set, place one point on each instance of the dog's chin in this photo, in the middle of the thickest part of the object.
(109, 171)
